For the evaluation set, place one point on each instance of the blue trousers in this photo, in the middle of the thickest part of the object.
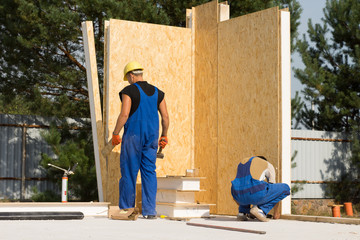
(130, 164)
(266, 199)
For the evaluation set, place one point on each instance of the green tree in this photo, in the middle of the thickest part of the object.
(332, 76)
(71, 147)
(296, 107)
(42, 60)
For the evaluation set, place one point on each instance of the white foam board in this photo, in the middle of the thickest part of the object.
(184, 211)
(186, 184)
(174, 196)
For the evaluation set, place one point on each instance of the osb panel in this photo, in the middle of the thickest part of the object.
(94, 97)
(206, 91)
(165, 53)
(104, 169)
(248, 75)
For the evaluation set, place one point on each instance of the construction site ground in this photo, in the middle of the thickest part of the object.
(104, 228)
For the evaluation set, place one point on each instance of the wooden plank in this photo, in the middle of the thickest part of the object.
(94, 100)
(226, 228)
(248, 108)
(224, 11)
(188, 18)
(165, 53)
(285, 106)
(206, 98)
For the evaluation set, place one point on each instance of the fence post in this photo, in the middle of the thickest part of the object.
(23, 163)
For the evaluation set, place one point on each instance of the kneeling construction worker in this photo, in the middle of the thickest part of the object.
(255, 190)
(141, 102)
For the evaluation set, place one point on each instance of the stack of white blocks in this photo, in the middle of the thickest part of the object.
(176, 198)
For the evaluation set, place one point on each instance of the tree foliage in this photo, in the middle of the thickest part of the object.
(42, 59)
(71, 147)
(332, 76)
(296, 107)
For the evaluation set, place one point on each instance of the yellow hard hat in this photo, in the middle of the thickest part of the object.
(131, 66)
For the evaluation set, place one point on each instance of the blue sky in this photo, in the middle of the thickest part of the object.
(311, 9)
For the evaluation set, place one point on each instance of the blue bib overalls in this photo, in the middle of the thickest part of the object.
(138, 151)
(246, 190)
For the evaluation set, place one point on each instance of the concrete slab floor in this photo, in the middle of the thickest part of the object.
(103, 228)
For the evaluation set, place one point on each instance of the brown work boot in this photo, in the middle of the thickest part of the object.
(259, 214)
(125, 214)
(134, 215)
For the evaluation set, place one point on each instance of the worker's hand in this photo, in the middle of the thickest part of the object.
(163, 141)
(115, 139)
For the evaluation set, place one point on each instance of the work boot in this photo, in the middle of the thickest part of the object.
(150, 217)
(134, 215)
(125, 214)
(259, 214)
(242, 217)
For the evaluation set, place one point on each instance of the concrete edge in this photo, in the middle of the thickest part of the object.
(355, 221)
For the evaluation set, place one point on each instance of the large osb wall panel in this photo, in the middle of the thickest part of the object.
(165, 53)
(206, 113)
(248, 78)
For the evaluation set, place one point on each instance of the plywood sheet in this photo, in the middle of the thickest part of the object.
(206, 100)
(165, 53)
(249, 93)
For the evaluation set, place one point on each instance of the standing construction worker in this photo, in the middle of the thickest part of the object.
(141, 102)
(250, 188)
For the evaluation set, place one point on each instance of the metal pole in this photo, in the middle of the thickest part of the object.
(226, 228)
(23, 163)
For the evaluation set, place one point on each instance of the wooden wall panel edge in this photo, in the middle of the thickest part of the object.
(285, 79)
(224, 11)
(204, 36)
(191, 25)
(105, 107)
(94, 97)
(106, 75)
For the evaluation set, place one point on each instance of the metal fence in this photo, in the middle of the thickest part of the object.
(21, 146)
(321, 158)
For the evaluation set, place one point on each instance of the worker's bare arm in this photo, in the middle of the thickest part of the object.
(124, 114)
(165, 121)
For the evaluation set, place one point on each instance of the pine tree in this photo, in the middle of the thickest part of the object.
(42, 60)
(72, 148)
(332, 76)
(296, 107)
